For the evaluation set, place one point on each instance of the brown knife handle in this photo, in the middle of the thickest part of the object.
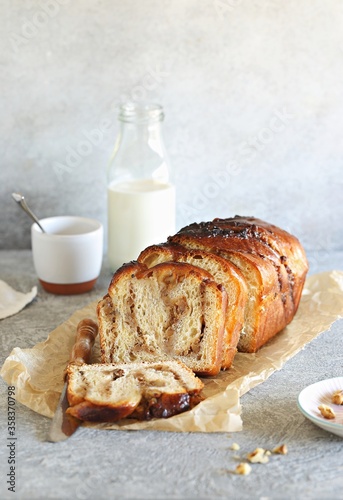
(86, 332)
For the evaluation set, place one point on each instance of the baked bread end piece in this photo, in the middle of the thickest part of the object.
(171, 311)
(108, 393)
(222, 272)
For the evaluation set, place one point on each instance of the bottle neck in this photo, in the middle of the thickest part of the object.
(139, 150)
(141, 113)
(139, 133)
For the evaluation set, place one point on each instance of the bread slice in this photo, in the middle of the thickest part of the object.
(264, 314)
(223, 272)
(173, 310)
(272, 301)
(107, 393)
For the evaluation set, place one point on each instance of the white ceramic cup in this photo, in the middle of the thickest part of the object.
(68, 256)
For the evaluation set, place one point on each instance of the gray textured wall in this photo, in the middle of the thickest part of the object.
(252, 91)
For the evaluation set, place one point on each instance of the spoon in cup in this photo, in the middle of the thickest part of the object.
(19, 198)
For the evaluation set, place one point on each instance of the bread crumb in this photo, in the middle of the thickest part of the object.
(243, 469)
(258, 456)
(281, 450)
(327, 411)
(235, 446)
(337, 397)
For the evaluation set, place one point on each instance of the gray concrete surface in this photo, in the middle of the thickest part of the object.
(154, 465)
(252, 92)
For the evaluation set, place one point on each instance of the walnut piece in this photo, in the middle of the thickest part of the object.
(235, 446)
(337, 397)
(327, 411)
(258, 456)
(243, 468)
(281, 450)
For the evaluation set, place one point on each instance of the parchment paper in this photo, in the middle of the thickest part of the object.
(37, 373)
(11, 301)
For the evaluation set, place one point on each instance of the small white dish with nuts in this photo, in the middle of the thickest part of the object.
(322, 403)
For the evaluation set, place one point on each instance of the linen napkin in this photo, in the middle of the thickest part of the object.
(11, 301)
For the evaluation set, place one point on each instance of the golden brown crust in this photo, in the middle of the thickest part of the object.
(277, 256)
(90, 412)
(252, 235)
(220, 235)
(290, 253)
(269, 313)
(165, 406)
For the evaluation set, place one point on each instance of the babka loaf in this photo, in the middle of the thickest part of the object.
(172, 310)
(223, 272)
(186, 299)
(107, 392)
(272, 261)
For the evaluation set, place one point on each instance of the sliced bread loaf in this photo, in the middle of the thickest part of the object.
(272, 261)
(172, 310)
(223, 272)
(107, 393)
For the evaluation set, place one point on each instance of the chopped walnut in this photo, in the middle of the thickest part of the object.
(327, 411)
(235, 446)
(258, 456)
(281, 450)
(243, 468)
(337, 397)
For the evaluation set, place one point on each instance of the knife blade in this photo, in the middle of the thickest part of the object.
(64, 425)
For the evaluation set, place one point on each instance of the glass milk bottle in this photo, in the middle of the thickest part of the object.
(140, 197)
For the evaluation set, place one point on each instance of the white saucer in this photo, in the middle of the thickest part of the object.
(320, 393)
